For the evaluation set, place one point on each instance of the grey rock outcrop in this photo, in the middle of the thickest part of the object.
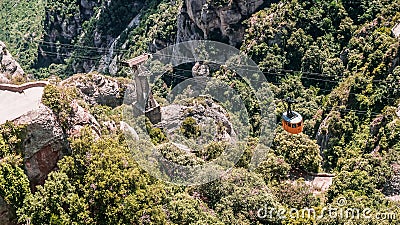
(44, 143)
(210, 116)
(396, 30)
(200, 70)
(9, 68)
(222, 21)
(324, 132)
(80, 118)
(7, 214)
(97, 89)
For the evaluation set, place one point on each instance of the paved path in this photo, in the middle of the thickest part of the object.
(15, 104)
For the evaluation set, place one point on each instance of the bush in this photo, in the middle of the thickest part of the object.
(157, 136)
(296, 195)
(274, 168)
(357, 181)
(59, 101)
(11, 137)
(298, 150)
(189, 128)
(14, 184)
(212, 150)
(52, 98)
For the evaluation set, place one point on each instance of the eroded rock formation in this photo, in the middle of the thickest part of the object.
(210, 116)
(217, 20)
(97, 89)
(10, 70)
(80, 118)
(44, 144)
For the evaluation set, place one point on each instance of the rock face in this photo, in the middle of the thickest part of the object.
(44, 143)
(97, 89)
(81, 117)
(10, 70)
(210, 116)
(200, 70)
(324, 132)
(202, 20)
(396, 30)
(7, 214)
(67, 28)
(63, 29)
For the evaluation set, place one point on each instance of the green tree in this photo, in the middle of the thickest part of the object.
(189, 128)
(357, 181)
(238, 196)
(298, 150)
(187, 210)
(377, 168)
(14, 184)
(274, 168)
(98, 184)
(11, 139)
(55, 203)
(296, 194)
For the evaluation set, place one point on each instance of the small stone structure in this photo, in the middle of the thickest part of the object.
(144, 96)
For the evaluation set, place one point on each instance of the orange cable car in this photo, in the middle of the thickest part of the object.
(292, 121)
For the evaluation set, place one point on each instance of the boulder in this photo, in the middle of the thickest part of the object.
(81, 117)
(209, 116)
(7, 214)
(10, 70)
(97, 89)
(44, 144)
(200, 70)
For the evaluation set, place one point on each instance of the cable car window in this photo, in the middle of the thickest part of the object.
(293, 125)
(299, 124)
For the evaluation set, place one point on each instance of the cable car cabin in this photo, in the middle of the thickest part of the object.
(292, 123)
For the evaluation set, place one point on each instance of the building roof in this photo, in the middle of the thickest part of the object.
(136, 61)
(296, 119)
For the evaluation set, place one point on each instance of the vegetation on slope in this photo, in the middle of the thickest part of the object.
(21, 26)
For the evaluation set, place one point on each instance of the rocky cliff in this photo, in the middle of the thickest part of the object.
(44, 144)
(10, 70)
(62, 25)
(99, 27)
(45, 139)
(93, 25)
(216, 20)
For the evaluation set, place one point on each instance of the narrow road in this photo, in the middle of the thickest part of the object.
(15, 104)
